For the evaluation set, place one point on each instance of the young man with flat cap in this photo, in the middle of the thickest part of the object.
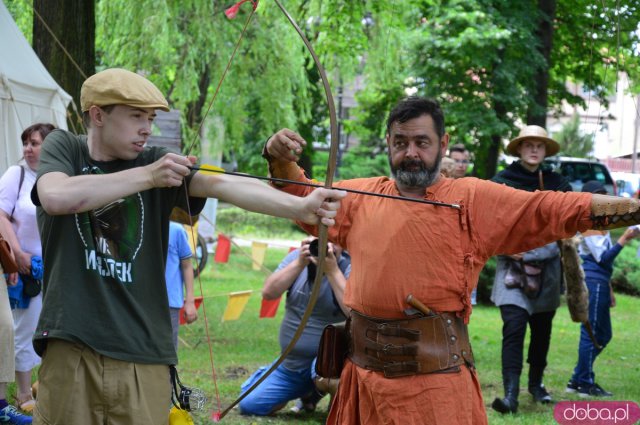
(104, 204)
(528, 307)
(416, 366)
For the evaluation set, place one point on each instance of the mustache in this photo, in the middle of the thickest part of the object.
(414, 172)
(411, 164)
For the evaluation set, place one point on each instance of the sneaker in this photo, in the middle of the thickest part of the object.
(572, 387)
(540, 394)
(593, 390)
(10, 415)
(297, 406)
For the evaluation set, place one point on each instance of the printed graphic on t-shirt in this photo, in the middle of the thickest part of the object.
(112, 235)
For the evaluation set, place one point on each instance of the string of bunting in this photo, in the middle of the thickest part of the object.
(237, 300)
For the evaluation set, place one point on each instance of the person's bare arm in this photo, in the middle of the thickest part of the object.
(63, 194)
(190, 311)
(280, 281)
(337, 280)
(23, 259)
(252, 195)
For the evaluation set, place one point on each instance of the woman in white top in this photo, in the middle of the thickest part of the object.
(19, 227)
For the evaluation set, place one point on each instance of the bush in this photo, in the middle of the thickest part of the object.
(626, 270)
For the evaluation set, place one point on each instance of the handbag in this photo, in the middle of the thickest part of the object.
(524, 276)
(332, 350)
(7, 259)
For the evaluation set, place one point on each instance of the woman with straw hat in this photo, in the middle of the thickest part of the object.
(537, 304)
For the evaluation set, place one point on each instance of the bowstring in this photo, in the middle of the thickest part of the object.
(224, 74)
(215, 414)
(322, 229)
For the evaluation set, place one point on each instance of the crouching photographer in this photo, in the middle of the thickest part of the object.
(294, 378)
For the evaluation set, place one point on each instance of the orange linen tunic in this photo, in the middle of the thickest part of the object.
(436, 254)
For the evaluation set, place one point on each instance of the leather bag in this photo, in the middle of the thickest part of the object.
(524, 276)
(7, 259)
(332, 350)
(533, 280)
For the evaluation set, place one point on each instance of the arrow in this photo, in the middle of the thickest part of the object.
(212, 169)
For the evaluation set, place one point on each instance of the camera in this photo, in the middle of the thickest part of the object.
(313, 248)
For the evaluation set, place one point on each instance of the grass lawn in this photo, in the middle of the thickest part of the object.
(239, 347)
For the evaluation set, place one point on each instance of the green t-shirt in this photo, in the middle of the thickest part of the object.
(104, 282)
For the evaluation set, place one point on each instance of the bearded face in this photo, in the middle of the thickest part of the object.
(414, 173)
(415, 153)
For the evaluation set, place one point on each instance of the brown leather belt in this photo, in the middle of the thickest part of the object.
(429, 344)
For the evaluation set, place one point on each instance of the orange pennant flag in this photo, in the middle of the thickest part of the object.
(269, 308)
(258, 249)
(223, 249)
(197, 302)
(235, 305)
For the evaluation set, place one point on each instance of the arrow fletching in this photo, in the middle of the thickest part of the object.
(209, 169)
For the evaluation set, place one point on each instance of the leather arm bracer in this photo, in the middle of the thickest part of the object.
(612, 212)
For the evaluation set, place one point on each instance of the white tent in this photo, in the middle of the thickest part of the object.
(28, 93)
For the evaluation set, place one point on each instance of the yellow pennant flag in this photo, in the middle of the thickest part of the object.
(235, 305)
(258, 250)
(192, 232)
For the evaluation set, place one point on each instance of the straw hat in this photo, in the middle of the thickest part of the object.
(533, 132)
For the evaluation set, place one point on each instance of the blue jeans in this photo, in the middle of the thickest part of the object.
(282, 386)
(600, 319)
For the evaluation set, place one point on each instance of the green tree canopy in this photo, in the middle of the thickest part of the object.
(480, 58)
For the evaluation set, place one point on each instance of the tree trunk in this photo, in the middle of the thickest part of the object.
(537, 114)
(487, 159)
(73, 24)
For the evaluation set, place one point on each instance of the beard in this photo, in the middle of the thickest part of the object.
(416, 174)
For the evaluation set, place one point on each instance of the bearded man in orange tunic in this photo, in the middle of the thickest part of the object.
(416, 367)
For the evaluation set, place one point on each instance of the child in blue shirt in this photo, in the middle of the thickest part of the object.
(179, 274)
(598, 254)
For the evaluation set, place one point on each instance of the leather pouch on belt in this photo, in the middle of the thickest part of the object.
(429, 344)
(332, 351)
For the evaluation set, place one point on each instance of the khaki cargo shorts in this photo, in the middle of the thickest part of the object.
(78, 386)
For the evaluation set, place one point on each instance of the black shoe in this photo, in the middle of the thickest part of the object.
(572, 387)
(508, 404)
(593, 390)
(540, 394)
(505, 405)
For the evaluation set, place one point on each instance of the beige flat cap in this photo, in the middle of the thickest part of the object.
(117, 86)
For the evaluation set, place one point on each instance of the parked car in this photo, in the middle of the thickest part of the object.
(627, 183)
(580, 170)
